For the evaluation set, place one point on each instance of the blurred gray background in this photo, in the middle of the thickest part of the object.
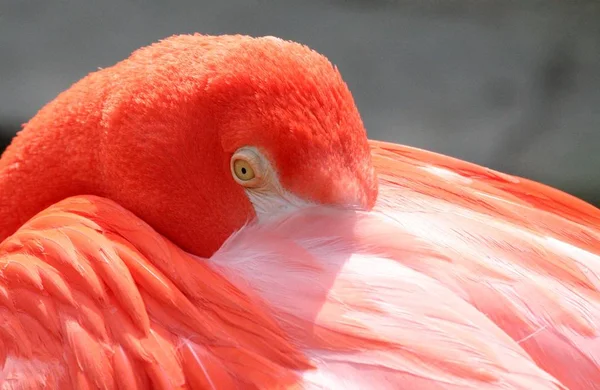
(513, 85)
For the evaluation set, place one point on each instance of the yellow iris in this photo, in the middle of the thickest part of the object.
(243, 170)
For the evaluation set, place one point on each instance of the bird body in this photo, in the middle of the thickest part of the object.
(455, 277)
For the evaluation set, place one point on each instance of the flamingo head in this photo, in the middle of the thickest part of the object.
(199, 135)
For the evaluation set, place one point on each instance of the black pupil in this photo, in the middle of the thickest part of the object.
(243, 171)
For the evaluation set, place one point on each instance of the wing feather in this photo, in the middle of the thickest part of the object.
(525, 255)
(91, 297)
(366, 319)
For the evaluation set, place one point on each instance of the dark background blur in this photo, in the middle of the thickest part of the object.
(513, 85)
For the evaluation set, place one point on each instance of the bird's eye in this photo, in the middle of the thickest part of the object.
(248, 167)
(243, 170)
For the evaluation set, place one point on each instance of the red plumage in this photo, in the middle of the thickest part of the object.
(459, 277)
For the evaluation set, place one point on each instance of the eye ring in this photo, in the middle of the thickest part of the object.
(246, 167)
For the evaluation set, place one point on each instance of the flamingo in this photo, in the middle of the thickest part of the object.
(209, 214)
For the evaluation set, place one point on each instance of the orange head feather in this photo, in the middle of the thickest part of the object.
(156, 133)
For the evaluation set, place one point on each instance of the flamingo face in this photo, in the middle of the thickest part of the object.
(289, 117)
(256, 174)
(253, 171)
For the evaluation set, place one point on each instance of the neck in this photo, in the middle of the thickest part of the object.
(44, 164)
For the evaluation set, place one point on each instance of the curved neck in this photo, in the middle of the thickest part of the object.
(48, 161)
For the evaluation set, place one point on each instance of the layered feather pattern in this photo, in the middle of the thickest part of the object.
(460, 278)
